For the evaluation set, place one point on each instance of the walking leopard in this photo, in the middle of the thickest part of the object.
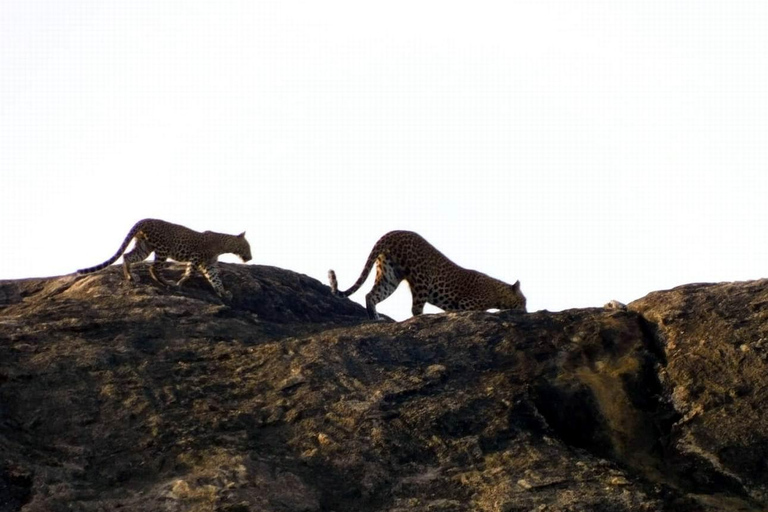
(433, 278)
(199, 250)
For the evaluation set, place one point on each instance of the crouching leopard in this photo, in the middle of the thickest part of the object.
(199, 250)
(406, 256)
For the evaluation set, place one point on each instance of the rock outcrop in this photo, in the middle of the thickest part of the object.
(285, 398)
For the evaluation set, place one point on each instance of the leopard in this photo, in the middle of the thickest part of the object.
(199, 250)
(433, 278)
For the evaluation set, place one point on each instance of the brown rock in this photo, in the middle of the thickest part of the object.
(714, 339)
(288, 399)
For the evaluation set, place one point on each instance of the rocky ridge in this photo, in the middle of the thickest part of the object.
(285, 398)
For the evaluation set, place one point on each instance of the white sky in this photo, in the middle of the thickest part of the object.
(595, 150)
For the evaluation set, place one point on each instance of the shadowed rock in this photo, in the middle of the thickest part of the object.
(288, 399)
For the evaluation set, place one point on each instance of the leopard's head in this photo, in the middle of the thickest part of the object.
(511, 297)
(242, 247)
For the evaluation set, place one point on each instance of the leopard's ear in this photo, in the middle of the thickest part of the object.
(516, 286)
(241, 235)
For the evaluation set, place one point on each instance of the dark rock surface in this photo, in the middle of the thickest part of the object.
(715, 345)
(116, 397)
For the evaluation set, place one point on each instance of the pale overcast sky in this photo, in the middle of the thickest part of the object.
(594, 150)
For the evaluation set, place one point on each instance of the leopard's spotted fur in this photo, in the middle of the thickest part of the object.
(433, 278)
(199, 250)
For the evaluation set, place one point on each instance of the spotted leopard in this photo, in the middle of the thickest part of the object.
(433, 278)
(199, 250)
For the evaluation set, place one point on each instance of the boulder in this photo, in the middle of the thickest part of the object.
(286, 398)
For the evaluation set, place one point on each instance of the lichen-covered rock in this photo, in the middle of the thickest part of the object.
(287, 398)
(714, 339)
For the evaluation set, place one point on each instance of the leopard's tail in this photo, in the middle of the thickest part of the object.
(375, 252)
(131, 234)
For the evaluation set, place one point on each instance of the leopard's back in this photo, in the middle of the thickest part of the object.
(180, 243)
(175, 241)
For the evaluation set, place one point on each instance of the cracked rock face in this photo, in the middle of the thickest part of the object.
(715, 342)
(288, 399)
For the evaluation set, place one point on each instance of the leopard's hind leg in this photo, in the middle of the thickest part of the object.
(188, 272)
(139, 253)
(157, 265)
(387, 281)
(418, 299)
